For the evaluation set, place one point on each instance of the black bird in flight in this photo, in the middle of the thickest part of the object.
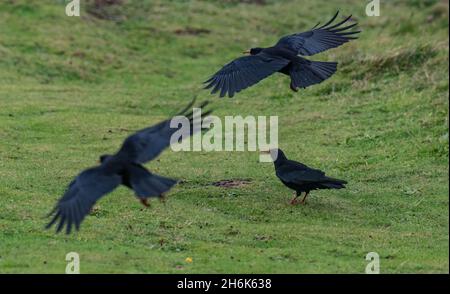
(125, 167)
(300, 177)
(284, 57)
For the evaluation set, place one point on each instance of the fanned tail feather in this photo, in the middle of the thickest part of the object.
(307, 73)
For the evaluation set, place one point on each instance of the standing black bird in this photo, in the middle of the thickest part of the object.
(125, 167)
(246, 71)
(300, 177)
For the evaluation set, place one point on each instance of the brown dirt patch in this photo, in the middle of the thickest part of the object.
(235, 183)
(191, 31)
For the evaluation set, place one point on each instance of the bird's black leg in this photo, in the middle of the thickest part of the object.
(303, 201)
(293, 88)
(162, 198)
(294, 200)
(144, 202)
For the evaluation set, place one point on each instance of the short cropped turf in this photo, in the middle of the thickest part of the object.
(72, 88)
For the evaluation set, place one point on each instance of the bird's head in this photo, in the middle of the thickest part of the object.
(104, 157)
(253, 51)
(275, 154)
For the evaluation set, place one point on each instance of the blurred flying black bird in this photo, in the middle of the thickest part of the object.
(284, 57)
(300, 177)
(125, 167)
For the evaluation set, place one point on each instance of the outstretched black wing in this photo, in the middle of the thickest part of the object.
(148, 143)
(81, 195)
(244, 72)
(320, 39)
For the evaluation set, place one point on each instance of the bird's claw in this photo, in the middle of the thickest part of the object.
(303, 201)
(144, 202)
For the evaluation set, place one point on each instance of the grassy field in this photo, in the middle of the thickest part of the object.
(73, 88)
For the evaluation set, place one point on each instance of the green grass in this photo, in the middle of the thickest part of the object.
(74, 88)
